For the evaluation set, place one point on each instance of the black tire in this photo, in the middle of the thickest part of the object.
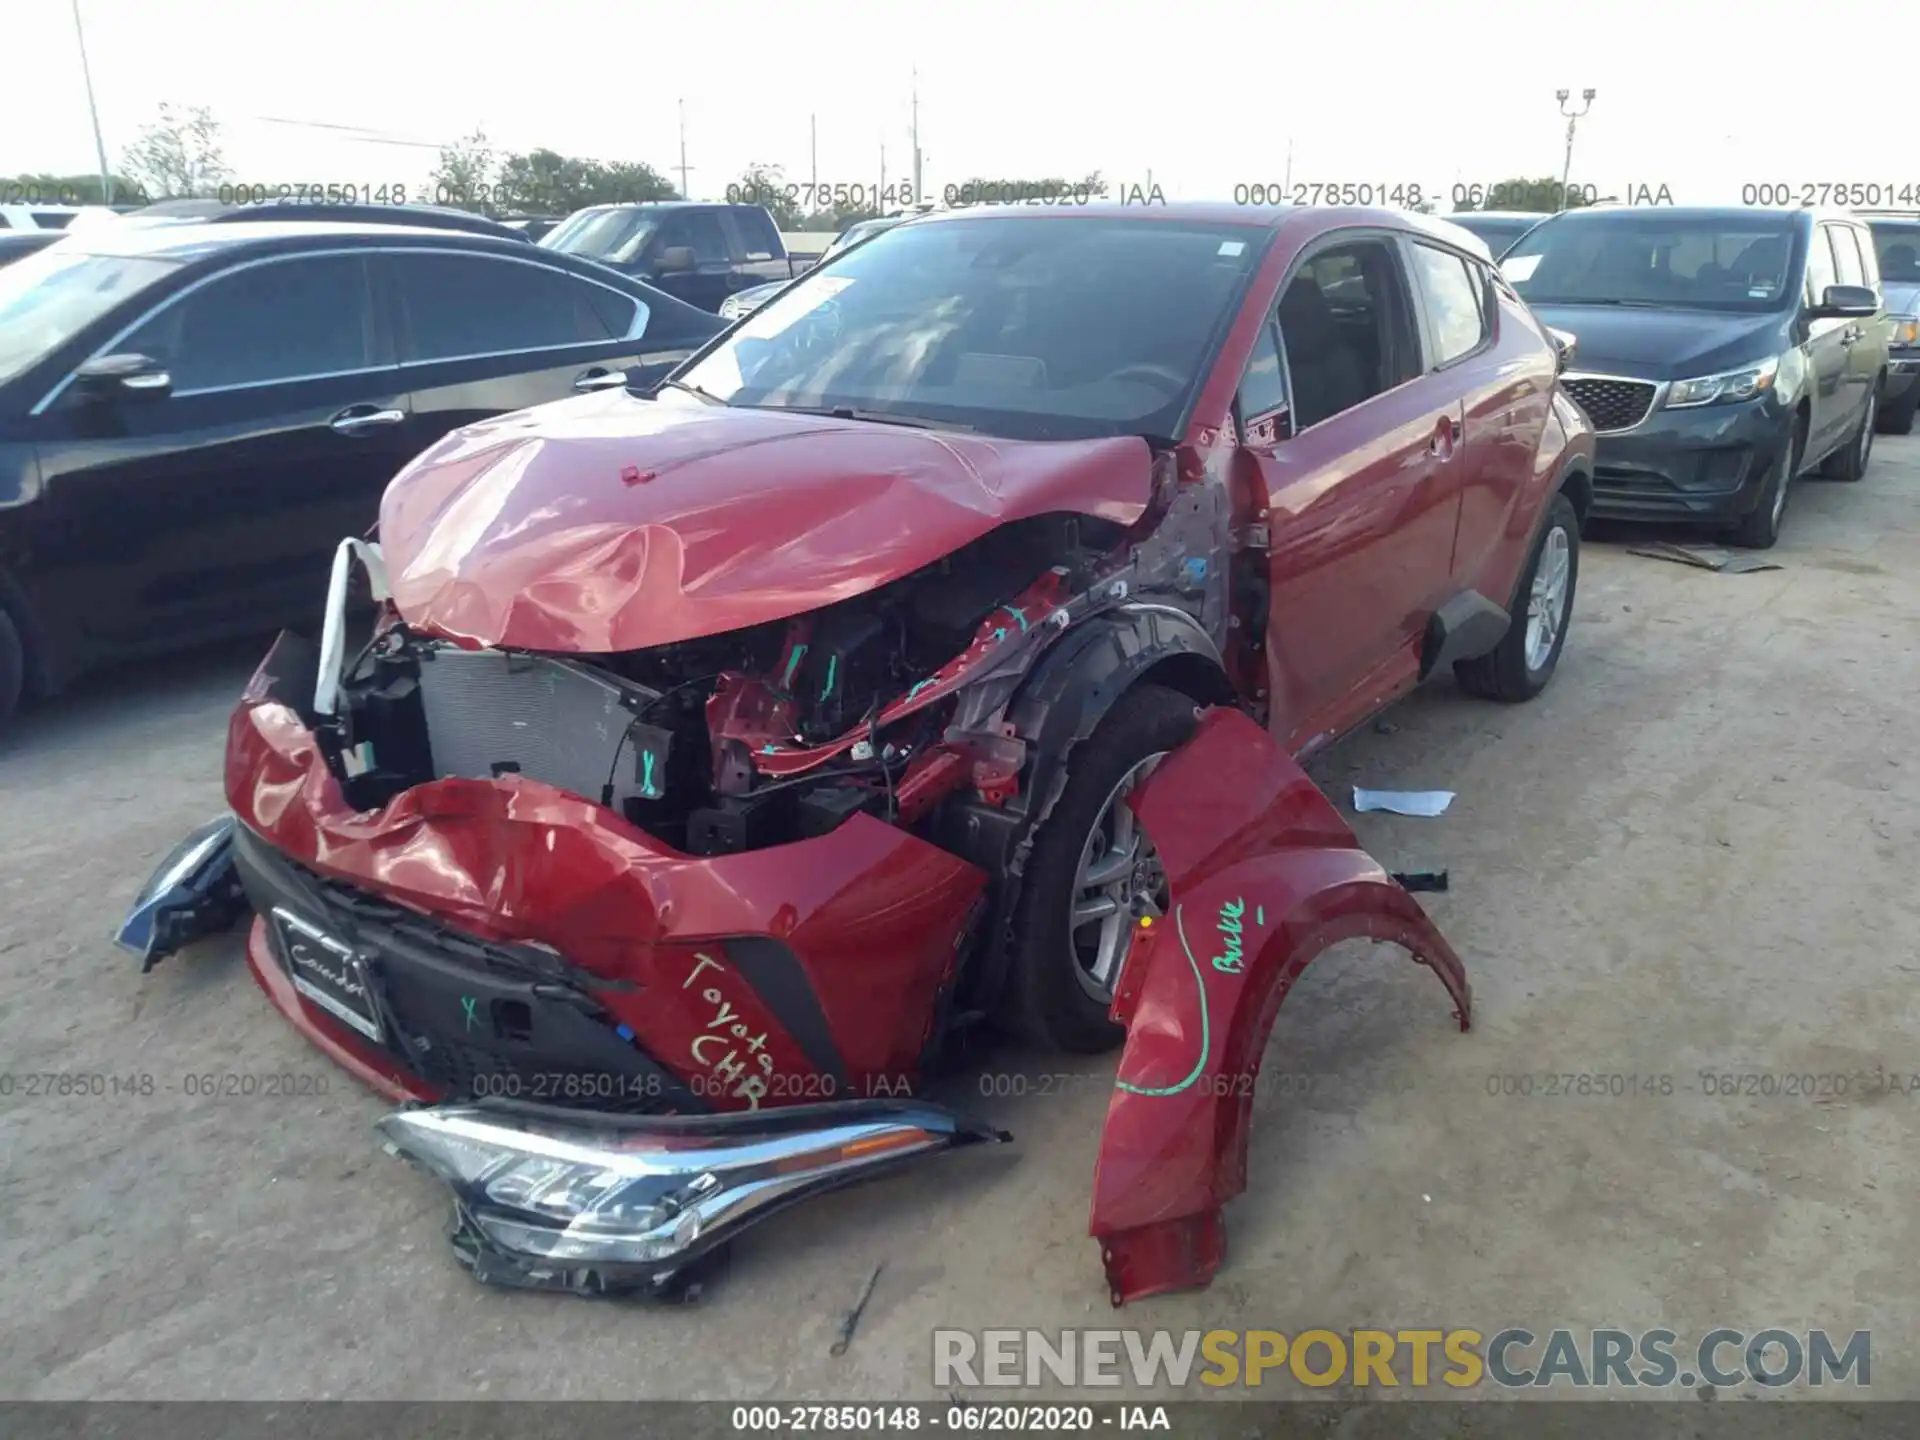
(1503, 673)
(1760, 530)
(1046, 1000)
(13, 667)
(1850, 461)
(1897, 419)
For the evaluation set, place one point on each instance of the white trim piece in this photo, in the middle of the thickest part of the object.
(333, 629)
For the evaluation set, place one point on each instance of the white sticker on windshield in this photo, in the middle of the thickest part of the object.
(1518, 268)
(1759, 292)
(1232, 247)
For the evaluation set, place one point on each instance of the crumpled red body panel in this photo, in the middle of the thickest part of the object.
(610, 523)
(1264, 875)
(872, 914)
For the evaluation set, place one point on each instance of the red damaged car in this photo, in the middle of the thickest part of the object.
(934, 648)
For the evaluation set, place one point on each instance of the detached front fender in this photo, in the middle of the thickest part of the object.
(1264, 875)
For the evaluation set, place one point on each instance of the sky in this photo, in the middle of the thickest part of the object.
(1201, 98)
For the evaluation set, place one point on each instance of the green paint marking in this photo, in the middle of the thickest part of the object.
(920, 685)
(646, 779)
(1014, 610)
(1000, 633)
(833, 664)
(1229, 962)
(1259, 914)
(467, 1004)
(793, 661)
(1206, 1029)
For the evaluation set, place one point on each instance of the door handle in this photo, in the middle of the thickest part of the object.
(598, 379)
(357, 418)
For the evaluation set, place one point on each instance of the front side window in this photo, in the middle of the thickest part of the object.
(1846, 255)
(459, 306)
(614, 236)
(1639, 257)
(700, 231)
(49, 297)
(284, 320)
(1041, 328)
(1340, 322)
(1820, 267)
(1455, 302)
(757, 232)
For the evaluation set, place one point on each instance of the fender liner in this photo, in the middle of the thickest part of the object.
(1264, 876)
(1077, 682)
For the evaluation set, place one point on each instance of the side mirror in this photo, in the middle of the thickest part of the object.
(1565, 346)
(675, 260)
(1846, 302)
(124, 377)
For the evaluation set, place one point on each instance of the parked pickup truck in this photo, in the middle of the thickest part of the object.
(697, 252)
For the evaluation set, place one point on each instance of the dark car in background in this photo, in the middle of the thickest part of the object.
(192, 415)
(1498, 228)
(698, 252)
(1722, 353)
(744, 302)
(1896, 243)
(534, 227)
(18, 244)
(432, 217)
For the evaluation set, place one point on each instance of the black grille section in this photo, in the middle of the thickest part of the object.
(1611, 404)
(531, 1031)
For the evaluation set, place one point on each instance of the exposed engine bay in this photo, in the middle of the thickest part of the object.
(726, 742)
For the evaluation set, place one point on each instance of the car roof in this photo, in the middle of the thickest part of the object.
(1265, 218)
(1705, 212)
(1530, 216)
(188, 240)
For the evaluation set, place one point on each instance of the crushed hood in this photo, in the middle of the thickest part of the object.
(613, 523)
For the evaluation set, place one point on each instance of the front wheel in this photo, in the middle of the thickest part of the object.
(1760, 530)
(1092, 875)
(1519, 667)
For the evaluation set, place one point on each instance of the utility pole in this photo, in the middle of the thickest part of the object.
(685, 194)
(883, 168)
(1286, 183)
(813, 157)
(917, 196)
(99, 145)
(1573, 119)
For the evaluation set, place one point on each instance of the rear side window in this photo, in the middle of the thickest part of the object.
(459, 306)
(757, 234)
(1454, 295)
(699, 229)
(293, 319)
(1846, 255)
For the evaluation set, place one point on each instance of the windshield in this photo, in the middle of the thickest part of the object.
(50, 297)
(1898, 246)
(854, 234)
(1035, 328)
(1497, 233)
(616, 235)
(1736, 262)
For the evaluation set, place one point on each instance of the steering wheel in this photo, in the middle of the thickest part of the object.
(1166, 375)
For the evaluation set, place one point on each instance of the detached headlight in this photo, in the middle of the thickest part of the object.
(555, 1199)
(1727, 387)
(1906, 331)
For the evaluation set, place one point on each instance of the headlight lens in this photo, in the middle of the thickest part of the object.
(1728, 387)
(650, 1193)
(1906, 331)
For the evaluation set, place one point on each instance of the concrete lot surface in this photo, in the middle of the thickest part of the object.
(1694, 854)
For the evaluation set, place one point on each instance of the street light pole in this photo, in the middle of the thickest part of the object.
(1573, 119)
(685, 194)
(99, 145)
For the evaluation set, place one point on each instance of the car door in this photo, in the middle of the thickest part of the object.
(482, 334)
(213, 506)
(1829, 350)
(1504, 374)
(712, 277)
(1865, 339)
(1361, 509)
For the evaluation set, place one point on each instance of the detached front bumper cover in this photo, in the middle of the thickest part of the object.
(554, 1199)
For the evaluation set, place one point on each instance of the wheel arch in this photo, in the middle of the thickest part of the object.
(35, 642)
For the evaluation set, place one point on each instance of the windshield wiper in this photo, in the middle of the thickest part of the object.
(706, 395)
(876, 417)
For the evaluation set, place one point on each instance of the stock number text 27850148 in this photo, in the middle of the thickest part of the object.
(823, 196)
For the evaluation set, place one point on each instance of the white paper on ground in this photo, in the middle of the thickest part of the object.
(1403, 802)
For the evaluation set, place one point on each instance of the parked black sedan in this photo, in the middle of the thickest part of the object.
(1721, 352)
(18, 244)
(192, 416)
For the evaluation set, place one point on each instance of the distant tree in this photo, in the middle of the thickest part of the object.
(178, 156)
(464, 175)
(1541, 196)
(73, 189)
(547, 181)
(761, 184)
